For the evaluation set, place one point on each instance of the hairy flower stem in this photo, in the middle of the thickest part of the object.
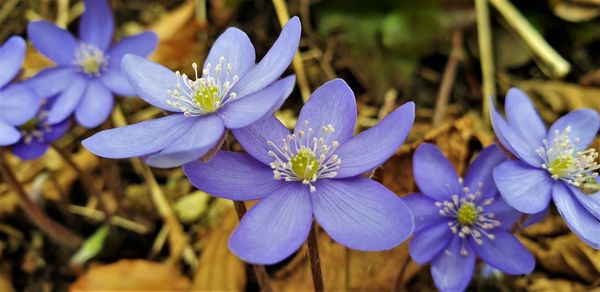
(315, 260)
(53, 229)
(399, 286)
(519, 223)
(88, 182)
(259, 270)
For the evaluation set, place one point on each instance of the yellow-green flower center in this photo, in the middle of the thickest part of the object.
(304, 164)
(30, 126)
(560, 166)
(90, 60)
(91, 66)
(207, 98)
(467, 214)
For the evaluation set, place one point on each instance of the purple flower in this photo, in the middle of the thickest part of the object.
(88, 70)
(314, 171)
(551, 164)
(37, 133)
(230, 92)
(457, 220)
(18, 103)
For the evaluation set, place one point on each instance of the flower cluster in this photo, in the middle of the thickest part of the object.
(552, 164)
(230, 92)
(459, 219)
(315, 172)
(88, 71)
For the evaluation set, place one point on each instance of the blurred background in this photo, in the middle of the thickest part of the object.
(130, 233)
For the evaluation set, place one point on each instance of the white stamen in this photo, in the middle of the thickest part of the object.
(563, 160)
(206, 93)
(320, 157)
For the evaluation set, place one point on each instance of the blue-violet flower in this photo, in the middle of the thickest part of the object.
(37, 133)
(230, 92)
(88, 70)
(457, 220)
(18, 102)
(551, 164)
(316, 170)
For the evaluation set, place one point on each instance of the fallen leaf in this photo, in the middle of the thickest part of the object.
(132, 275)
(219, 268)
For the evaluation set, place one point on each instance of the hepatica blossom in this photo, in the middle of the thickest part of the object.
(316, 170)
(230, 91)
(88, 69)
(553, 163)
(18, 103)
(37, 133)
(457, 220)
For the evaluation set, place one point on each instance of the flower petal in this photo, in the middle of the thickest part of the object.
(576, 216)
(95, 106)
(512, 141)
(524, 119)
(479, 176)
(30, 151)
(12, 53)
(52, 81)
(8, 134)
(237, 51)
(434, 174)
(505, 253)
(590, 201)
(277, 59)
(504, 213)
(584, 127)
(424, 210)
(52, 41)
(97, 25)
(428, 242)
(249, 109)
(452, 271)
(57, 131)
(150, 80)
(254, 137)
(374, 146)
(68, 100)
(117, 82)
(331, 104)
(361, 214)
(275, 227)
(141, 44)
(525, 188)
(18, 104)
(139, 139)
(199, 139)
(232, 175)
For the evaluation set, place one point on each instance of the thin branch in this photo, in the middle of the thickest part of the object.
(486, 55)
(557, 65)
(177, 238)
(53, 229)
(283, 16)
(448, 79)
(88, 182)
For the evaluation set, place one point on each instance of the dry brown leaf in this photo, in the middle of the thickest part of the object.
(177, 32)
(219, 268)
(132, 275)
(345, 269)
(553, 98)
(541, 283)
(454, 139)
(566, 255)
